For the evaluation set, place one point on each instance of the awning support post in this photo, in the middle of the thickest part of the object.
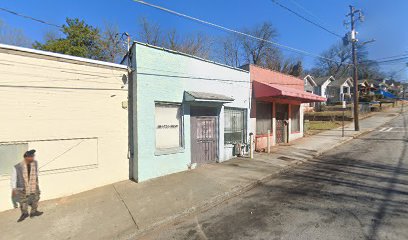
(268, 141)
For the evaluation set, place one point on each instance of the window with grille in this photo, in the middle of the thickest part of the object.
(234, 125)
(295, 118)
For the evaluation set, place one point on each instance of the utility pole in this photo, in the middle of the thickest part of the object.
(353, 37)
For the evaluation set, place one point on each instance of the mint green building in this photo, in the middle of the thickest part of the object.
(184, 111)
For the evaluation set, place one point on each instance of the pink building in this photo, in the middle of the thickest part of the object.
(277, 106)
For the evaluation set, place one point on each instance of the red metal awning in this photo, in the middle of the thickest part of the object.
(270, 91)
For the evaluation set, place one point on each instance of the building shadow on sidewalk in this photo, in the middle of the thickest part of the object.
(342, 194)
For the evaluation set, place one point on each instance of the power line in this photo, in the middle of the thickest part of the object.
(233, 31)
(389, 60)
(307, 11)
(401, 59)
(395, 56)
(306, 19)
(30, 18)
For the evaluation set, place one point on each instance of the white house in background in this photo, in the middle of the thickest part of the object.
(72, 110)
(322, 83)
(310, 84)
(340, 90)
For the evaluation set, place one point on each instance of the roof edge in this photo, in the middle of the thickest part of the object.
(61, 56)
(188, 55)
(267, 69)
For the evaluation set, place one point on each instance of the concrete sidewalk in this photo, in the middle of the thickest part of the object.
(125, 209)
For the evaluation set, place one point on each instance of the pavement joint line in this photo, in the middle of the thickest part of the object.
(125, 205)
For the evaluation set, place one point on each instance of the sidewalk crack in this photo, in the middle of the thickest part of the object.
(126, 206)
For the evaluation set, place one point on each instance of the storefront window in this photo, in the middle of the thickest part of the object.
(234, 126)
(295, 118)
(168, 126)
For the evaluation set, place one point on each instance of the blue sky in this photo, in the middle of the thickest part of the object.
(386, 21)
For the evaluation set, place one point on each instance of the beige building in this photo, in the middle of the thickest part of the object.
(72, 110)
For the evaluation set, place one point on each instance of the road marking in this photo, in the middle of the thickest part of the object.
(391, 129)
(386, 129)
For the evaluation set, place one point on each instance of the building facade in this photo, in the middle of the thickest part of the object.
(322, 84)
(187, 111)
(72, 111)
(277, 110)
(340, 90)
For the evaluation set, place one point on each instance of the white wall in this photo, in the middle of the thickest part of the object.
(300, 134)
(72, 114)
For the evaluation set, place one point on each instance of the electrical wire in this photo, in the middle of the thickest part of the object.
(299, 51)
(306, 19)
(306, 10)
(30, 18)
(395, 56)
(401, 59)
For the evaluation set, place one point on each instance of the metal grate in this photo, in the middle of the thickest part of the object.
(235, 125)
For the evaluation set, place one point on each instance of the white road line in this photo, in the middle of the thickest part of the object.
(382, 129)
(389, 129)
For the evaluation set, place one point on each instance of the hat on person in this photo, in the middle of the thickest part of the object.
(29, 153)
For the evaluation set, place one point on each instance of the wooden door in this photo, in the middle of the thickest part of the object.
(203, 139)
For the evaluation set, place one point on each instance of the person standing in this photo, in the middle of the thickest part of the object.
(25, 187)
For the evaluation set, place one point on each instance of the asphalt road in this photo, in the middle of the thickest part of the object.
(358, 191)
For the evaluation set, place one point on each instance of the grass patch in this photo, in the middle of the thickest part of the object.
(314, 127)
(328, 113)
(330, 116)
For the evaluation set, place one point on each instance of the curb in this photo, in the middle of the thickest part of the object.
(238, 190)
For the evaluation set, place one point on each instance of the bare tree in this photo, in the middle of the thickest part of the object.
(231, 51)
(337, 62)
(113, 46)
(242, 49)
(274, 60)
(194, 44)
(256, 51)
(13, 36)
(150, 33)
